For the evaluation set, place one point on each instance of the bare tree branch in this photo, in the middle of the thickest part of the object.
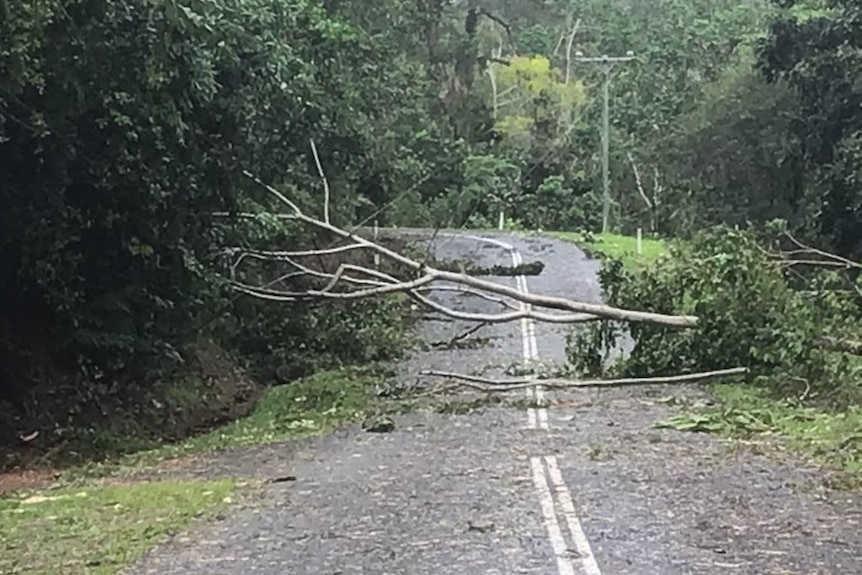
(277, 254)
(656, 187)
(488, 384)
(504, 317)
(468, 291)
(804, 249)
(569, 43)
(385, 280)
(427, 274)
(565, 304)
(325, 183)
(559, 43)
(382, 288)
(650, 205)
(494, 96)
(281, 295)
(638, 180)
(813, 263)
(448, 344)
(491, 16)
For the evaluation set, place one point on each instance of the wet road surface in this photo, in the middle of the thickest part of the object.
(584, 487)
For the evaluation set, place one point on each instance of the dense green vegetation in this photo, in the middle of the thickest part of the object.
(126, 128)
(785, 324)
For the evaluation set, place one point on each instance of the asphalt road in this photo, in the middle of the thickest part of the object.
(585, 487)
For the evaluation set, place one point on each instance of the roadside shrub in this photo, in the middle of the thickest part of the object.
(748, 314)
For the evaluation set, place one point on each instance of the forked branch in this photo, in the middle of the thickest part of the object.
(807, 255)
(424, 275)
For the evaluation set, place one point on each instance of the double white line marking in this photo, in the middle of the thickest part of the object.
(570, 561)
(537, 417)
(582, 561)
(578, 558)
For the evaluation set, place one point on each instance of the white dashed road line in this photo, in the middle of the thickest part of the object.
(538, 417)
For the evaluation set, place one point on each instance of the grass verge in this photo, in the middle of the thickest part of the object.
(616, 246)
(315, 404)
(832, 437)
(98, 530)
(309, 406)
(84, 526)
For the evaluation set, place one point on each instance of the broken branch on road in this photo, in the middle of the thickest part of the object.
(459, 338)
(489, 384)
(533, 268)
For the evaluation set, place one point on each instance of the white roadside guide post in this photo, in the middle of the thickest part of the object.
(502, 221)
(640, 242)
(605, 63)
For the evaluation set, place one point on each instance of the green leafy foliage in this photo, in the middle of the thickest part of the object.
(749, 315)
(115, 168)
(776, 132)
(745, 412)
(124, 126)
(303, 338)
(819, 53)
(734, 158)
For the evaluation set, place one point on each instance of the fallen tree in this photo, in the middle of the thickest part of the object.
(737, 306)
(419, 280)
(372, 282)
(489, 384)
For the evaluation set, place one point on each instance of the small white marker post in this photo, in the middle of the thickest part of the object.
(502, 222)
(376, 255)
(640, 242)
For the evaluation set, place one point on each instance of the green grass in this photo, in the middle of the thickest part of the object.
(98, 530)
(309, 406)
(312, 405)
(832, 437)
(84, 526)
(616, 246)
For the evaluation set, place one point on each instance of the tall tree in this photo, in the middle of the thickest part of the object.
(818, 50)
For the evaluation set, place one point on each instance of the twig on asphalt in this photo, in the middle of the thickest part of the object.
(448, 344)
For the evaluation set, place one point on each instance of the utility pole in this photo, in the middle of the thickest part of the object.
(605, 63)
